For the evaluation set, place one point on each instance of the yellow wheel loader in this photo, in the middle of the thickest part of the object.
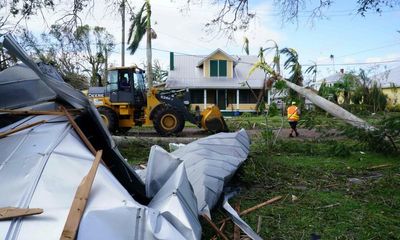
(124, 102)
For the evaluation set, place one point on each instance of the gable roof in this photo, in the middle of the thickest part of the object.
(200, 63)
(332, 78)
(186, 74)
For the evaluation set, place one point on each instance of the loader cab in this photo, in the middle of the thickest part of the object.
(126, 85)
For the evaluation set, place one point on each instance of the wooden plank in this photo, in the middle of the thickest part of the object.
(79, 203)
(80, 133)
(30, 112)
(17, 129)
(212, 224)
(272, 200)
(78, 130)
(11, 212)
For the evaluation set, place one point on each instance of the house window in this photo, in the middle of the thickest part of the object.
(197, 96)
(211, 96)
(218, 68)
(246, 96)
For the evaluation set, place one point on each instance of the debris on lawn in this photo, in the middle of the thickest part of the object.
(50, 134)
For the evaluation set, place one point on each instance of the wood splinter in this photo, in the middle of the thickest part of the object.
(17, 129)
(12, 212)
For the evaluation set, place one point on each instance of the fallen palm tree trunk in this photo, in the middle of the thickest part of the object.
(330, 107)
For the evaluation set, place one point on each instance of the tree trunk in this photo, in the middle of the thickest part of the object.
(330, 107)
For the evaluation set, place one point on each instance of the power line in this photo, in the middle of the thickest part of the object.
(306, 65)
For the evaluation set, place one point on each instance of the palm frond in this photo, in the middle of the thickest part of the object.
(246, 46)
(263, 66)
(137, 30)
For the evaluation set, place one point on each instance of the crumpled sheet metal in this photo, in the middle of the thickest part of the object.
(209, 162)
(36, 83)
(42, 167)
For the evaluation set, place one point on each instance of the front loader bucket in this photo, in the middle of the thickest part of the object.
(212, 120)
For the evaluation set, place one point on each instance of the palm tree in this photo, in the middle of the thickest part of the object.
(141, 25)
(296, 76)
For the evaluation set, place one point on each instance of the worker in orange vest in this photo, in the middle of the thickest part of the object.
(293, 115)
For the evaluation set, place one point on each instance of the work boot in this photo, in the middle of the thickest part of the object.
(290, 135)
(297, 134)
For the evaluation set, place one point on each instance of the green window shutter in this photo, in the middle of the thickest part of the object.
(214, 68)
(222, 68)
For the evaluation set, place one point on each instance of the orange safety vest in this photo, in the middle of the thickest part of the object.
(292, 114)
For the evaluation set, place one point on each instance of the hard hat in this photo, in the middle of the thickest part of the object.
(293, 103)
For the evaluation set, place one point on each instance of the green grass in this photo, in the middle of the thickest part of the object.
(328, 203)
(317, 173)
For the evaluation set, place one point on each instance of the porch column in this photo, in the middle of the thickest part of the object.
(205, 98)
(226, 98)
(237, 99)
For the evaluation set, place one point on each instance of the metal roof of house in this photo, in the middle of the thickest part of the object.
(332, 78)
(186, 74)
(388, 77)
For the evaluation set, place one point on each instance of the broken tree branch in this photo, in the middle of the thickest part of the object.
(212, 224)
(79, 203)
(11, 212)
(5, 134)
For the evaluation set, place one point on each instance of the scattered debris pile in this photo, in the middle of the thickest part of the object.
(59, 161)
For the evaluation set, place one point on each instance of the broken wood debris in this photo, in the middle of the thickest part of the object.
(379, 166)
(212, 224)
(11, 131)
(12, 212)
(328, 206)
(34, 112)
(79, 203)
(236, 229)
(259, 222)
(80, 132)
(272, 200)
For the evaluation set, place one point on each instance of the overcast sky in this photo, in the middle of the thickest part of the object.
(349, 37)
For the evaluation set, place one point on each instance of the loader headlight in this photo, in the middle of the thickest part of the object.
(186, 102)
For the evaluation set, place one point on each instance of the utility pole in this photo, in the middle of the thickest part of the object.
(123, 33)
(106, 64)
(149, 71)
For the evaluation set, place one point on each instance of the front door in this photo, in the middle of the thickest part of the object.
(221, 99)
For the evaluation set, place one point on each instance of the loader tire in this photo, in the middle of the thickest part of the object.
(168, 121)
(109, 118)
